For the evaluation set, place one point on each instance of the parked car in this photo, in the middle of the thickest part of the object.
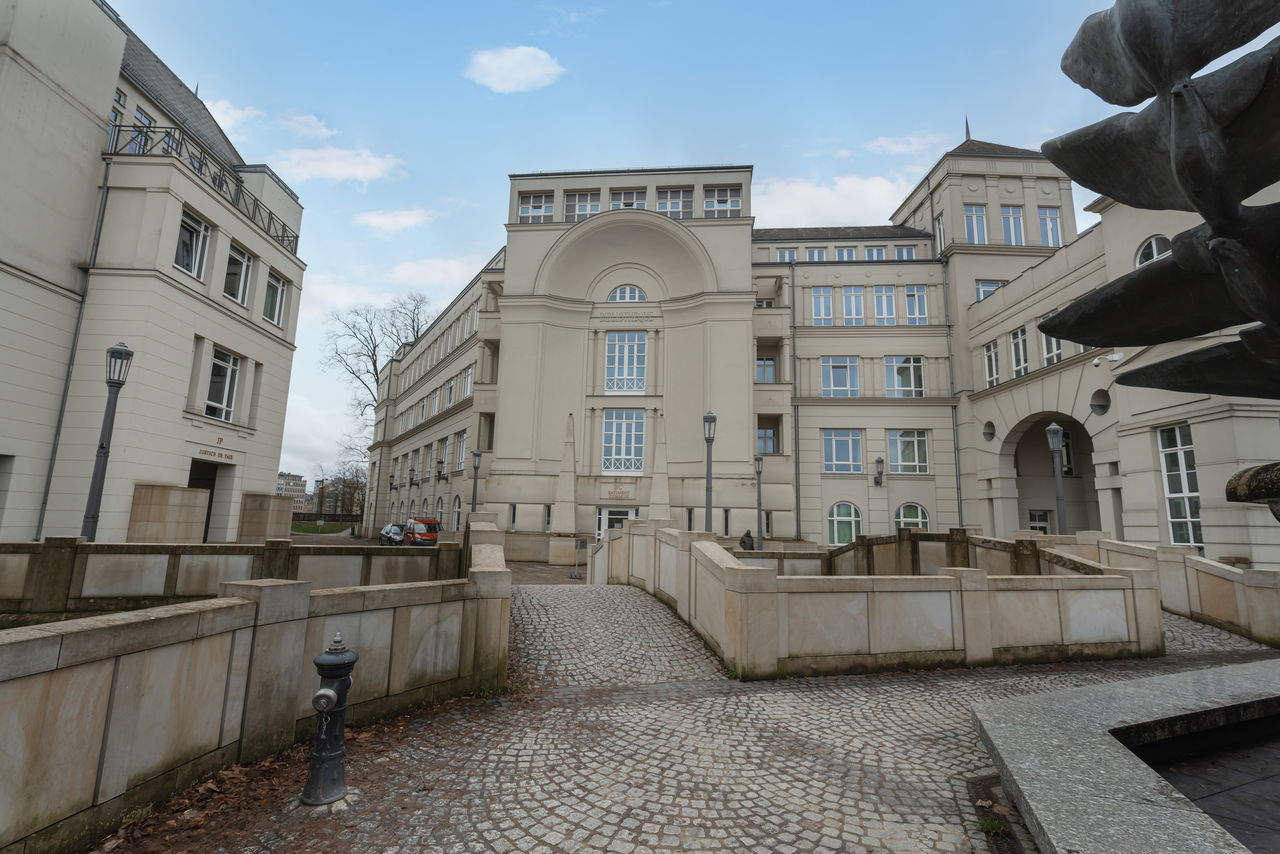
(421, 532)
(391, 535)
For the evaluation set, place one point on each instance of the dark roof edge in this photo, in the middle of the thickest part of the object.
(672, 170)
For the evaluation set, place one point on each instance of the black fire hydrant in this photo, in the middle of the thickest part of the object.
(327, 779)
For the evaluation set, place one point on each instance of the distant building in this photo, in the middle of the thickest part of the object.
(294, 486)
(130, 217)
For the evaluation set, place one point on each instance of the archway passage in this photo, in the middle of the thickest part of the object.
(1033, 467)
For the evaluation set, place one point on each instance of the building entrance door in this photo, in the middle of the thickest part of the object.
(613, 517)
(204, 476)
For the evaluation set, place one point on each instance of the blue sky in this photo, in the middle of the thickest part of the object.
(397, 123)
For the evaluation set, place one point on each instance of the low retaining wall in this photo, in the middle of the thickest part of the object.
(103, 717)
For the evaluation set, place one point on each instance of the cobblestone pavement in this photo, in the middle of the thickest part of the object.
(626, 736)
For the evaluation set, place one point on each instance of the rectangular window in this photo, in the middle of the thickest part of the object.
(904, 376)
(435, 401)
(1018, 351)
(579, 206)
(1039, 520)
(822, 306)
(193, 240)
(221, 399)
(975, 223)
(113, 129)
(839, 376)
(677, 204)
(846, 253)
(765, 369)
(1011, 221)
(273, 304)
(623, 440)
(624, 362)
(873, 253)
(908, 452)
(853, 315)
(1052, 348)
(461, 461)
(817, 254)
(141, 140)
(884, 306)
(720, 202)
(985, 289)
(537, 207)
(917, 306)
(448, 394)
(939, 235)
(626, 200)
(236, 283)
(766, 439)
(466, 380)
(905, 253)
(764, 303)
(842, 451)
(991, 357)
(1181, 485)
(1050, 227)
(786, 256)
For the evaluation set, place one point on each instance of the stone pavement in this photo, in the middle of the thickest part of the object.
(625, 735)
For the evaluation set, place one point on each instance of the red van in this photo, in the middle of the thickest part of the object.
(421, 532)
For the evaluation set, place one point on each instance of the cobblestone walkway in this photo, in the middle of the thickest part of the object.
(626, 736)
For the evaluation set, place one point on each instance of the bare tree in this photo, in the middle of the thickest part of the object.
(360, 338)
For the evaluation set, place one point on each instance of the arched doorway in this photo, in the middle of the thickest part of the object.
(1026, 451)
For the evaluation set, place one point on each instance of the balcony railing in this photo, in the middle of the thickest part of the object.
(176, 143)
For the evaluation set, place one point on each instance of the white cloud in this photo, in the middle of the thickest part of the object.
(846, 200)
(906, 144)
(335, 164)
(513, 69)
(314, 430)
(230, 117)
(443, 276)
(325, 292)
(308, 126)
(390, 222)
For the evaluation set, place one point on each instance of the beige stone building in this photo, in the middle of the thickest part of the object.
(129, 217)
(888, 375)
(295, 487)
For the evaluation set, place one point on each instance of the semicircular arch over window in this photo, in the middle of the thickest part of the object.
(911, 516)
(1151, 249)
(844, 522)
(627, 293)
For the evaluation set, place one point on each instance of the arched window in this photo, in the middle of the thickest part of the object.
(844, 522)
(911, 516)
(439, 509)
(627, 293)
(402, 516)
(1152, 248)
(457, 513)
(412, 511)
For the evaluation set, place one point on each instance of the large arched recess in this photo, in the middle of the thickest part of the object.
(664, 254)
(1025, 457)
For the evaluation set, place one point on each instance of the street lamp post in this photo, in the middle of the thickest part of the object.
(475, 477)
(118, 359)
(759, 506)
(709, 434)
(319, 505)
(1054, 432)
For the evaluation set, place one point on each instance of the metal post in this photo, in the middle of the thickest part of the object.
(475, 477)
(1054, 434)
(327, 778)
(89, 530)
(709, 434)
(759, 506)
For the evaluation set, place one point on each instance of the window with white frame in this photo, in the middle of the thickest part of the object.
(884, 306)
(846, 253)
(676, 203)
(1051, 347)
(113, 126)
(435, 401)
(764, 303)
(767, 438)
(911, 516)
(623, 441)
(984, 288)
(852, 298)
(273, 302)
(939, 235)
(975, 223)
(905, 253)
(822, 306)
(842, 451)
(537, 207)
(457, 513)
(873, 253)
(720, 202)
(448, 394)
(786, 256)
(140, 142)
(1011, 221)
(461, 456)
(1050, 226)
(193, 242)
(844, 523)
(839, 376)
(1152, 248)
(579, 206)
(466, 380)
(627, 293)
(236, 282)
(624, 362)
(1040, 521)
(620, 200)
(904, 376)
(1018, 351)
(223, 376)
(765, 372)
(908, 452)
(816, 254)
(917, 306)
(1181, 485)
(991, 358)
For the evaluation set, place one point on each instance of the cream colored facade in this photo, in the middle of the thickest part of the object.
(130, 217)
(854, 360)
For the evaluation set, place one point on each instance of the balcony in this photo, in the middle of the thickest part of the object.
(490, 326)
(771, 323)
(485, 397)
(772, 398)
(137, 140)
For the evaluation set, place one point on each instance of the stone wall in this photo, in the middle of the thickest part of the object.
(264, 517)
